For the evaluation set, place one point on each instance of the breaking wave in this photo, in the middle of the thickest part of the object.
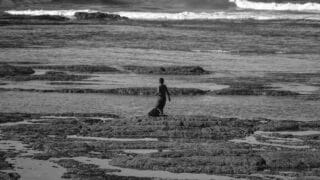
(232, 15)
(273, 6)
(64, 13)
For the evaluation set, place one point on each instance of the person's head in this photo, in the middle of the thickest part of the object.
(161, 80)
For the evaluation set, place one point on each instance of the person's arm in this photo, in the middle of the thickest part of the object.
(167, 91)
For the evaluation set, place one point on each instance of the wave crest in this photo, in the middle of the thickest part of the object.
(64, 13)
(306, 7)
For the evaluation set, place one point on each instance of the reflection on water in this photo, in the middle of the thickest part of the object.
(272, 141)
(27, 168)
(144, 151)
(296, 87)
(222, 106)
(32, 169)
(110, 139)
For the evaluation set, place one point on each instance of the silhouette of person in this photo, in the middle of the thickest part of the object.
(162, 96)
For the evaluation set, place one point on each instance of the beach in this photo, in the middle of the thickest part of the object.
(77, 80)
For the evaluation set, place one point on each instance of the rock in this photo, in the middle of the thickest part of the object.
(79, 170)
(280, 126)
(92, 121)
(8, 70)
(195, 144)
(167, 70)
(98, 16)
(292, 160)
(9, 176)
(15, 117)
(41, 156)
(221, 158)
(3, 163)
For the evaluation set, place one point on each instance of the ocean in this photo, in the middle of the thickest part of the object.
(176, 9)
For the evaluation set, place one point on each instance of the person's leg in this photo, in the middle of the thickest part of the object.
(163, 104)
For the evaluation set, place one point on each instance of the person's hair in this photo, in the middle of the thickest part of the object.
(161, 80)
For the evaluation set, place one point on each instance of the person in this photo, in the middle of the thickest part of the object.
(162, 96)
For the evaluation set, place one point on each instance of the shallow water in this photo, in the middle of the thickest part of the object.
(27, 168)
(252, 140)
(31, 169)
(270, 140)
(222, 106)
(148, 173)
(296, 87)
(117, 80)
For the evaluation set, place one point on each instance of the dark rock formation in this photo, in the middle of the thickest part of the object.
(292, 160)
(167, 70)
(9, 176)
(280, 126)
(4, 165)
(186, 127)
(220, 158)
(8, 70)
(80, 68)
(77, 170)
(15, 117)
(98, 16)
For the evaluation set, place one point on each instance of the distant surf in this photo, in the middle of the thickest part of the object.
(272, 6)
(232, 15)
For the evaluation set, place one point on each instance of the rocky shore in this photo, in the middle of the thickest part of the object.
(98, 16)
(193, 144)
(8, 70)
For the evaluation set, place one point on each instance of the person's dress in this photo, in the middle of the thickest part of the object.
(158, 110)
(161, 103)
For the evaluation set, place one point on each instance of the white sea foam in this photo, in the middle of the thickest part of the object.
(215, 15)
(308, 7)
(233, 15)
(64, 13)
